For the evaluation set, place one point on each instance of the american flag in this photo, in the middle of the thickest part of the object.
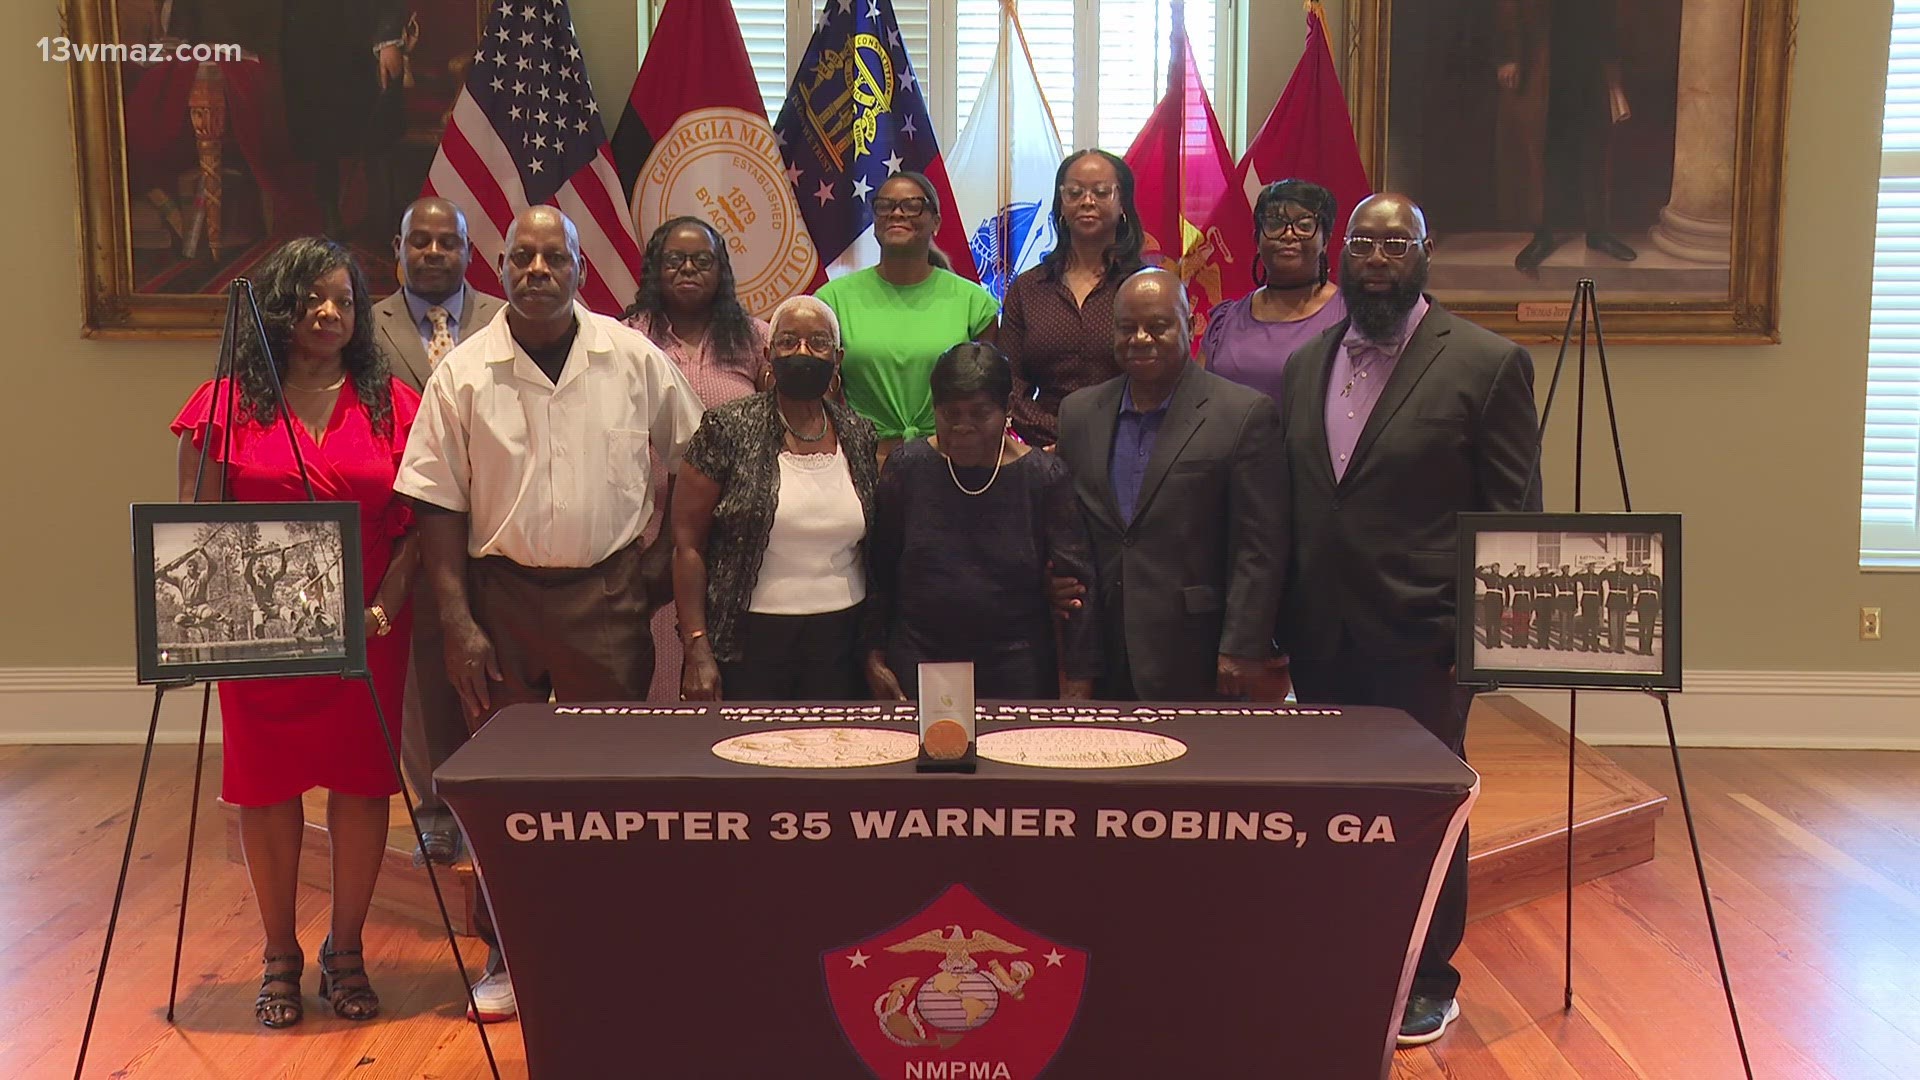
(855, 115)
(526, 130)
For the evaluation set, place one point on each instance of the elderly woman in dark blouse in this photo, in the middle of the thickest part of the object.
(1056, 326)
(770, 519)
(966, 526)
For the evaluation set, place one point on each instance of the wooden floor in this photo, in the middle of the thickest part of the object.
(1814, 858)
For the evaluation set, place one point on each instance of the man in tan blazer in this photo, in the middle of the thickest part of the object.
(421, 322)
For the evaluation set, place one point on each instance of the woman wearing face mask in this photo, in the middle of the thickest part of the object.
(688, 305)
(965, 528)
(1250, 339)
(769, 522)
(899, 316)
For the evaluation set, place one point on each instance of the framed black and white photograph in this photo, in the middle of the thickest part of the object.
(247, 590)
(1570, 600)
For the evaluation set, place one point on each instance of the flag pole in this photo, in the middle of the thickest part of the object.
(1177, 80)
(1004, 182)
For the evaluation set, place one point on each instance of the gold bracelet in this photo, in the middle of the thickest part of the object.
(380, 616)
(695, 636)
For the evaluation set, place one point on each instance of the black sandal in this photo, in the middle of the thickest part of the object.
(350, 1002)
(280, 1008)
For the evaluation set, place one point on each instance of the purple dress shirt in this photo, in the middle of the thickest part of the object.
(1364, 366)
(1133, 437)
(1254, 353)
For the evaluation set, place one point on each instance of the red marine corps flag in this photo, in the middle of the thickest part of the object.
(956, 991)
(1195, 219)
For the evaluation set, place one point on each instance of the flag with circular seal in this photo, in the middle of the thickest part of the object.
(694, 140)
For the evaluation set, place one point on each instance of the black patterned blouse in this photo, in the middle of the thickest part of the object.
(738, 447)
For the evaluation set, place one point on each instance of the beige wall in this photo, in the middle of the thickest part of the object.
(1758, 447)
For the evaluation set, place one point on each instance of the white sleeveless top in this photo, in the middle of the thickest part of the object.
(812, 565)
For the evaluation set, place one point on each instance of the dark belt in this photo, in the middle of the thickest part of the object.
(552, 576)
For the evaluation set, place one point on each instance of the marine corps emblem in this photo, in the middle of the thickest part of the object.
(956, 991)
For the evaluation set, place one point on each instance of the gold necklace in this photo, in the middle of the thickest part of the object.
(997, 461)
(318, 389)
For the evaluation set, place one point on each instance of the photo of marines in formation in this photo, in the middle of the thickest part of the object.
(1562, 609)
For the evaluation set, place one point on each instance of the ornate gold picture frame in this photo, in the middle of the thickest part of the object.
(279, 118)
(1638, 142)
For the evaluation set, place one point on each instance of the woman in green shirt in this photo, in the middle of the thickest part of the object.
(897, 318)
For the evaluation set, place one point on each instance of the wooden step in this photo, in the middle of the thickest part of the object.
(1519, 828)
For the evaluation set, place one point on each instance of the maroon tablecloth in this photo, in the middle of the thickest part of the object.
(1247, 909)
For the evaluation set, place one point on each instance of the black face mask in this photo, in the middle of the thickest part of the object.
(802, 376)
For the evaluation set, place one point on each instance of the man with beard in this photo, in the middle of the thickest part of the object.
(1397, 420)
(1175, 469)
(528, 464)
(432, 311)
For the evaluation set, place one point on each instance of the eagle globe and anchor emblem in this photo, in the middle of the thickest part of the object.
(996, 1003)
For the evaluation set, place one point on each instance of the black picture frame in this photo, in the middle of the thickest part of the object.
(1631, 645)
(197, 617)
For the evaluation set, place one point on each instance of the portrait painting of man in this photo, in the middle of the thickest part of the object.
(1608, 140)
(326, 122)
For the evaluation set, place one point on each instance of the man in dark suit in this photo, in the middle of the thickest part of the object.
(1397, 419)
(417, 325)
(1179, 474)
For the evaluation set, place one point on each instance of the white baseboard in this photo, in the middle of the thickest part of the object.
(1815, 710)
(1833, 710)
(95, 705)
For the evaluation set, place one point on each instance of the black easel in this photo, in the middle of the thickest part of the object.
(225, 372)
(1586, 312)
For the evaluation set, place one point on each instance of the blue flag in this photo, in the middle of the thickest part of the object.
(855, 115)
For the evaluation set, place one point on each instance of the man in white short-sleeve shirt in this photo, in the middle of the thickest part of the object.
(529, 463)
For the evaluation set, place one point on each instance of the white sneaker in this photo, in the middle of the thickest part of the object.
(493, 998)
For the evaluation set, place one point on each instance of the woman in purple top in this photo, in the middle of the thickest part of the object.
(1249, 340)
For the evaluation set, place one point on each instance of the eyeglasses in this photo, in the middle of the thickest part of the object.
(787, 343)
(702, 261)
(1275, 226)
(1073, 193)
(911, 207)
(1393, 247)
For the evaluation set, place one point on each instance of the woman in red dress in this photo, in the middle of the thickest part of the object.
(285, 736)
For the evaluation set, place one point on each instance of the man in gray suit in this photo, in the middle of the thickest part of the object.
(1397, 419)
(417, 325)
(1174, 468)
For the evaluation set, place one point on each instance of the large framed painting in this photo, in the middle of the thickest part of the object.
(1636, 142)
(208, 131)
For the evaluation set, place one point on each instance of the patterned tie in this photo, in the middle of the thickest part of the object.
(442, 337)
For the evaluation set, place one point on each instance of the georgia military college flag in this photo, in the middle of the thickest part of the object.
(854, 116)
(694, 140)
